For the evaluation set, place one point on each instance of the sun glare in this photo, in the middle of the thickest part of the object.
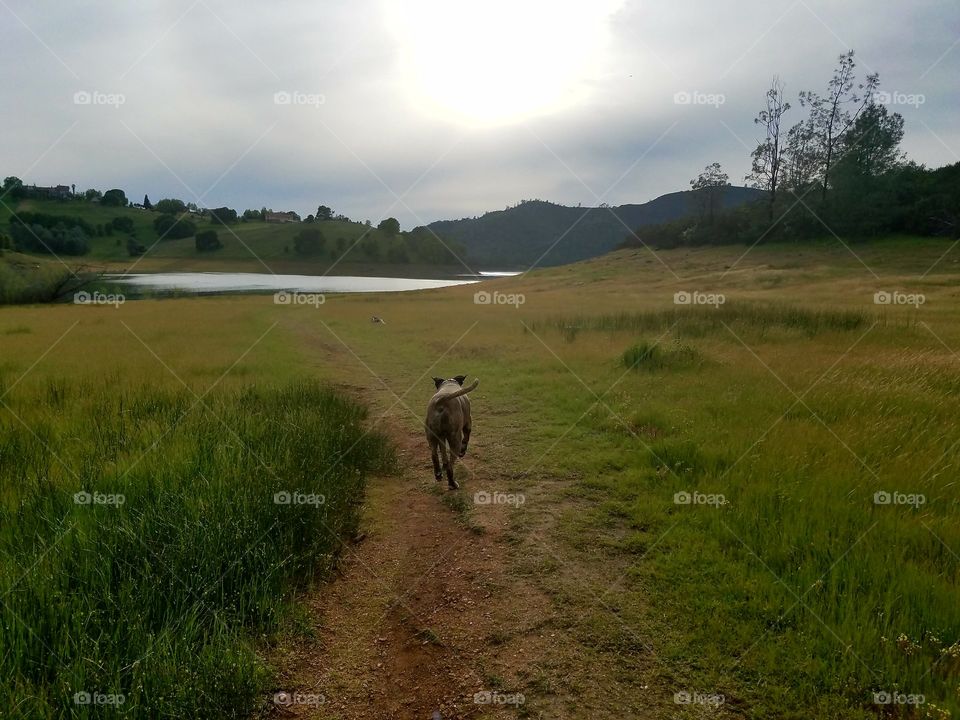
(498, 61)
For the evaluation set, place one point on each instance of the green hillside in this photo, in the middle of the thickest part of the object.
(545, 233)
(252, 240)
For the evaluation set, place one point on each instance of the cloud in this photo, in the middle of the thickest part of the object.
(454, 113)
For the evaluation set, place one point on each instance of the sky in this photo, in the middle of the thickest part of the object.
(434, 109)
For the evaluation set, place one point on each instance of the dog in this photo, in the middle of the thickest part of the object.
(448, 424)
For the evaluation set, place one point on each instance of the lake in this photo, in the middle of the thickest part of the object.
(231, 282)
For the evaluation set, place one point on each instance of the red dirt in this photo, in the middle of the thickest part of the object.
(415, 623)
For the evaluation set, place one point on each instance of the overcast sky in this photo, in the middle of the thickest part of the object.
(432, 109)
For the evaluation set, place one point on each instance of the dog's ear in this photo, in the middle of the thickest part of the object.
(460, 379)
(438, 382)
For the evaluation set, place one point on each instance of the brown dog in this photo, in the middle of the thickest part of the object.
(448, 424)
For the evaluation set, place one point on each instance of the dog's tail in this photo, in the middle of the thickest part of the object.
(461, 391)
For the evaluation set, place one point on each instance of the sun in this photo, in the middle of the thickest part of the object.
(499, 61)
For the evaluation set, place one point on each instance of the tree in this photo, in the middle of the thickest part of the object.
(134, 249)
(872, 144)
(866, 191)
(802, 158)
(390, 226)
(170, 206)
(309, 242)
(169, 227)
(114, 198)
(56, 240)
(709, 188)
(92, 194)
(123, 224)
(768, 158)
(223, 216)
(370, 247)
(12, 187)
(207, 241)
(830, 115)
(324, 213)
(146, 203)
(252, 215)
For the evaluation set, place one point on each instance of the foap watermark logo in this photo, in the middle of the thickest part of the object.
(698, 498)
(287, 497)
(98, 298)
(84, 697)
(696, 297)
(296, 97)
(287, 297)
(893, 697)
(286, 699)
(493, 697)
(95, 97)
(914, 500)
(896, 297)
(498, 498)
(694, 697)
(482, 297)
(695, 97)
(98, 498)
(895, 97)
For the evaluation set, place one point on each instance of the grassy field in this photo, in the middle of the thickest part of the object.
(154, 521)
(751, 503)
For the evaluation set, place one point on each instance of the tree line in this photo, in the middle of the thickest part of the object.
(838, 170)
(61, 234)
(385, 244)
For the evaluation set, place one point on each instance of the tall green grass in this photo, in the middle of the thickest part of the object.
(160, 598)
(26, 283)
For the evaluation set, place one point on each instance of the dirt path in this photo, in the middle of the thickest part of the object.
(445, 608)
(421, 617)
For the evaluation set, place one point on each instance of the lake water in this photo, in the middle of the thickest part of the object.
(224, 282)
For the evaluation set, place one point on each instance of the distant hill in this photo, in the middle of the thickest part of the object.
(519, 236)
(103, 240)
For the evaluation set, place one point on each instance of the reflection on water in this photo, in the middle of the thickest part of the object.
(213, 282)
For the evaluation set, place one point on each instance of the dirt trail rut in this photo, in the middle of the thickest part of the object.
(414, 624)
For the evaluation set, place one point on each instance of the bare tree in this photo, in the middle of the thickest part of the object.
(831, 115)
(768, 158)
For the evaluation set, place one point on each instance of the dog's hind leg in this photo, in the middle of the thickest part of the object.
(448, 463)
(437, 472)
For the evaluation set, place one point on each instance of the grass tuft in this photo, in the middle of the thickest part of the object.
(653, 356)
